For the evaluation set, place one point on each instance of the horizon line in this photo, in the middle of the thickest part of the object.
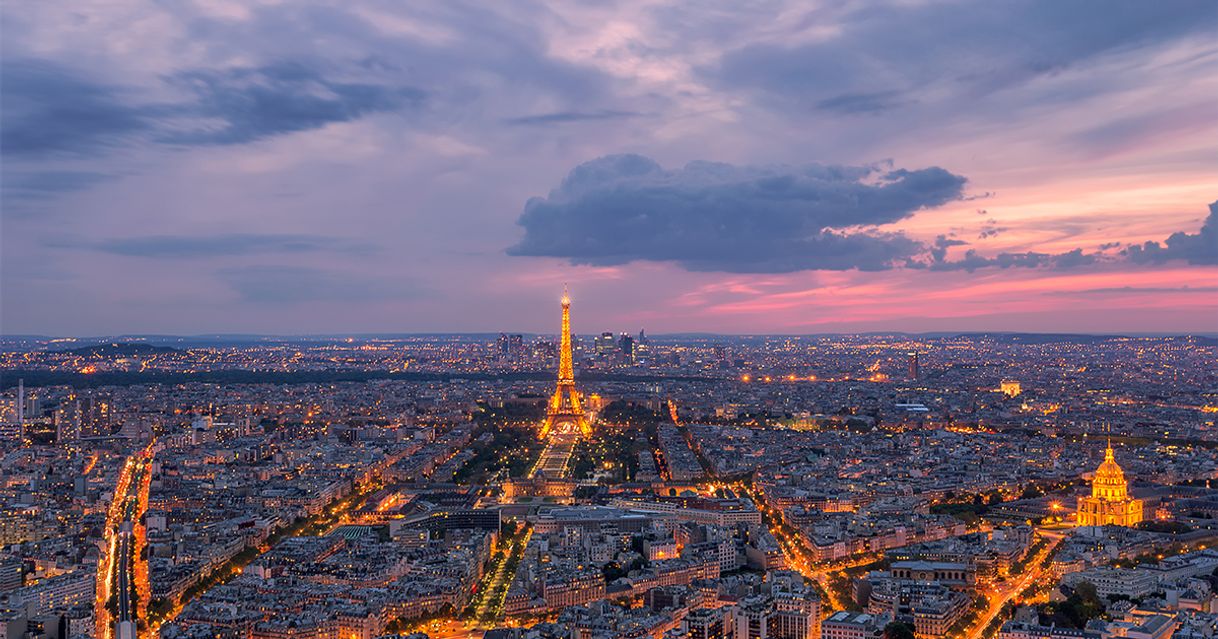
(382, 334)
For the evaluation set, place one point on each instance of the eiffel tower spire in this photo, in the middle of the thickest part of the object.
(565, 412)
(566, 371)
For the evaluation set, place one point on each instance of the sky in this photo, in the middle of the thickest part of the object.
(763, 167)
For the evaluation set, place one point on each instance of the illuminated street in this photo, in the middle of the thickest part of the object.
(489, 605)
(1008, 590)
(122, 591)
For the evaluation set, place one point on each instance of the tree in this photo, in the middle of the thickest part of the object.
(1081, 606)
(899, 630)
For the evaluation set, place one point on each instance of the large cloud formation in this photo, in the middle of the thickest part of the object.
(884, 56)
(973, 261)
(712, 216)
(1194, 248)
(47, 109)
(51, 110)
(255, 103)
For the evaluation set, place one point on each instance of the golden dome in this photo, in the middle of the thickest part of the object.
(1109, 482)
(1109, 503)
(1109, 469)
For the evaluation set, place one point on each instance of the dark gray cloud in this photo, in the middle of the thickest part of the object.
(247, 104)
(938, 250)
(1073, 259)
(1195, 248)
(948, 52)
(47, 109)
(565, 117)
(223, 245)
(719, 217)
(991, 229)
(1199, 248)
(973, 261)
(51, 110)
(285, 285)
(50, 113)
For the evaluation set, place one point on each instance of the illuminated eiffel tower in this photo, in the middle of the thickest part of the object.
(565, 414)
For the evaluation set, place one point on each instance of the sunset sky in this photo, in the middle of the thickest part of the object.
(769, 167)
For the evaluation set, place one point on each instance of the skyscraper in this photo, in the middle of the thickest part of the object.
(565, 414)
(605, 344)
(641, 348)
(510, 347)
(626, 343)
(94, 415)
(915, 369)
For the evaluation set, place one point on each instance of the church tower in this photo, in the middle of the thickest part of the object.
(565, 413)
(1109, 503)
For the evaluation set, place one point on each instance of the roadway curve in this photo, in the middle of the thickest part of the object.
(1011, 589)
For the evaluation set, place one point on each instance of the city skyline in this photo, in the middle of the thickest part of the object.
(312, 169)
(344, 488)
(782, 319)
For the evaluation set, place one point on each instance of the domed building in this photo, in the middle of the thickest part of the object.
(1109, 503)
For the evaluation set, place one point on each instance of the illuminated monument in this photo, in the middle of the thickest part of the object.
(565, 414)
(1109, 503)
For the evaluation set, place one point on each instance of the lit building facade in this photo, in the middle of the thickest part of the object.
(1109, 503)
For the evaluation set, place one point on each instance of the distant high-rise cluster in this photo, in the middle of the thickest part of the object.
(619, 349)
(606, 344)
(511, 347)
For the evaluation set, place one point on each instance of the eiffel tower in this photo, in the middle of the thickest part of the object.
(565, 414)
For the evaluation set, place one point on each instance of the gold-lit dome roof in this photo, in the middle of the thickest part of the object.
(1109, 483)
(1110, 470)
